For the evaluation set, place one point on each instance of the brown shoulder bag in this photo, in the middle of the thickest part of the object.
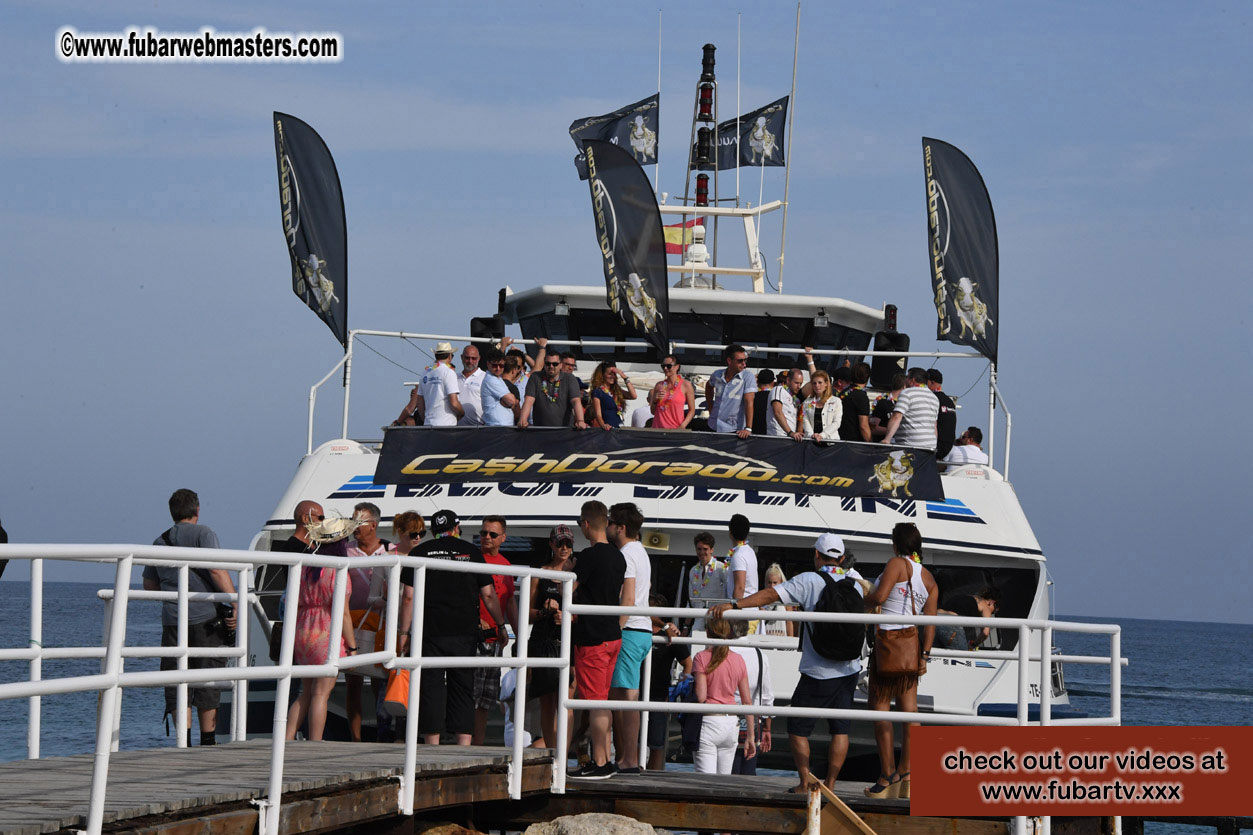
(897, 651)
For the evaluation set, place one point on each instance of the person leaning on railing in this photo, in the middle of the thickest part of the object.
(499, 393)
(822, 412)
(553, 398)
(825, 683)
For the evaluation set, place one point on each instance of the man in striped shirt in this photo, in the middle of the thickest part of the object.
(913, 419)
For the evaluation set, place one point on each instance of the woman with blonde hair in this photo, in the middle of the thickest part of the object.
(781, 628)
(720, 675)
(904, 588)
(822, 411)
(608, 395)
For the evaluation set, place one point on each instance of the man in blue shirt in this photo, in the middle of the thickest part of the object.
(729, 394)
(824, 683)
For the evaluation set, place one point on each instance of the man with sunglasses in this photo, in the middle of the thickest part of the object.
(487, 679)
(307, 513)
(729, 394)
(552, 398)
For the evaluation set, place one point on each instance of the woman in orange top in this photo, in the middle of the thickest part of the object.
(673, 400)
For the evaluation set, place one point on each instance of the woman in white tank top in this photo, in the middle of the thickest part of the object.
(904, 588)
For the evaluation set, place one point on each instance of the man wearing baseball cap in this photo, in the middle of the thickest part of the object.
(824, 683)
(436, 399)
(450, 627)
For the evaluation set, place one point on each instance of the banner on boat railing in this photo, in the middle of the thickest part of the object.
(313, 222)
(965, 263)
(632, 242)
(418, 455)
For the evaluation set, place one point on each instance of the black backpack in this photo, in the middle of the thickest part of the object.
(837, 641)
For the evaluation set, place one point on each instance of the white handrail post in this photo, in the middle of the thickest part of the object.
(239, 713)
(409, 780)
(110, 695)
(1024, 667)
(1009, 437)
(645, 689)
(1046, 675)
(991, 414)
(562, 747)
(36, 662)
(338, 605)
(1115, 675)
(519, 691)
(182, 722)
(268, 809)
(347, 384)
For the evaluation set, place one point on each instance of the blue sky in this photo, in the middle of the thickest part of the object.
(152, 340)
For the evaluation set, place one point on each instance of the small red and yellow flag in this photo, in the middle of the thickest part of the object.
(679, 235)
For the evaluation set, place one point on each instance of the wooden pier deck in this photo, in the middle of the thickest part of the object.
(339, 787)
(327, 786)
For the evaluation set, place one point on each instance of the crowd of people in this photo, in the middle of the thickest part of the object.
(466, 615)
(505, 386)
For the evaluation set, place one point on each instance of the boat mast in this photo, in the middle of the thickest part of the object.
(791, 124)
(657, 169)
(703, 141)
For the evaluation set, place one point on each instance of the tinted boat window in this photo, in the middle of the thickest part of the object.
(691, 327)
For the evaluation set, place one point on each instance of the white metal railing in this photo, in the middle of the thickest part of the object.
(345, 362)
(113, 677)
(1022, 655)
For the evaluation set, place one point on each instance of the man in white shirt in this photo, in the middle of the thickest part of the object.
(742, 569)
(915, 414)
(470, 387)
(625, 521)
(968, 449)
(437, 399)
(781, 418)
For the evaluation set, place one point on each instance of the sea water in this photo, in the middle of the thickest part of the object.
(1180, 673)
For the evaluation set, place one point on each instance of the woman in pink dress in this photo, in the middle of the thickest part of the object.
(313, 634)
(673, 400)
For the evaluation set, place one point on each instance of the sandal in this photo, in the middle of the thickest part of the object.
(883, 792)
(902, 785)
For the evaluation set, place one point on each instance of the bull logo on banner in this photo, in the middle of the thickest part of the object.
(895, 472)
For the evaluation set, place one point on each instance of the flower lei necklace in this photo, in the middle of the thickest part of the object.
(733, 547)
(551, 390)
(915, 557)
